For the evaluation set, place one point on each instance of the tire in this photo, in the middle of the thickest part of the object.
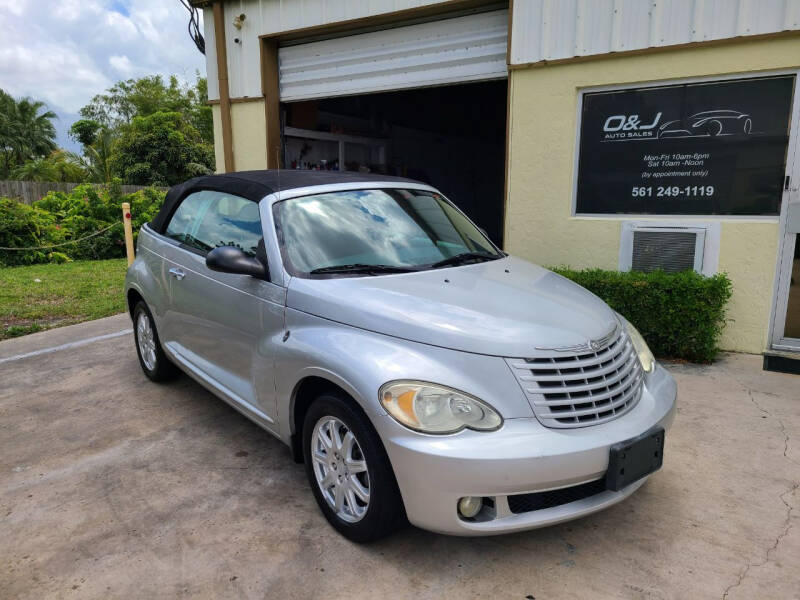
(152, 359)
(384, 512)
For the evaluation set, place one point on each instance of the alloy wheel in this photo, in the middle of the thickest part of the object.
(340, 469)
(147, 342)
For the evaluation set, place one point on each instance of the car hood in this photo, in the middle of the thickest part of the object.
(504, 307)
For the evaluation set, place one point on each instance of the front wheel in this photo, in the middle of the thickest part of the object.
(349, 472)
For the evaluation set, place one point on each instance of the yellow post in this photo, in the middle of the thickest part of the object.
(126, 223)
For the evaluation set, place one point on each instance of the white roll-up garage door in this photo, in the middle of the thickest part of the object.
(460, 49)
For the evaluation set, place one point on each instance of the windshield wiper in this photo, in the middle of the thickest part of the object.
(361, 268)
(465, 257)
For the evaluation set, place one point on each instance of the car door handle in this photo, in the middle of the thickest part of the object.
(177, 273)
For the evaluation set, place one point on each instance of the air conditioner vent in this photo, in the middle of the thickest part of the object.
(670, 251)
(671, 246)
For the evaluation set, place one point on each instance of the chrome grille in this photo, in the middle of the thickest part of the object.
(580, 388)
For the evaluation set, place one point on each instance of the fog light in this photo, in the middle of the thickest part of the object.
(469, 506)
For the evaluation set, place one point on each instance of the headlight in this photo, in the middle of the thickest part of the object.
(639, 345)
(432, 408)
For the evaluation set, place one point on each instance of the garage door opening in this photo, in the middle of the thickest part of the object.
(452, 137)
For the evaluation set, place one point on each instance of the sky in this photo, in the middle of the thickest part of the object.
(63, 52)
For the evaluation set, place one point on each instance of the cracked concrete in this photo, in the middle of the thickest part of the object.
(789, 507)
(111, 486)
(772, 548)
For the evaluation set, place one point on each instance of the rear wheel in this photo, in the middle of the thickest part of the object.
(154, 362)
(349, 472)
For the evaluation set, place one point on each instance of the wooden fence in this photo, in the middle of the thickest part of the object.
(30, 191)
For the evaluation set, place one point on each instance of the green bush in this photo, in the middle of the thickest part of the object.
(681, 315)
(161, 149)
(64, 216)
(81, 212)
(58, 258)
(25, 226)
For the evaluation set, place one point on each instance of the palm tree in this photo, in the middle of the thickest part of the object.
(26, 131)
(70, 167)
(61, 165)
(98, 157)
(38, 131)
(8, 132)
(36, 169)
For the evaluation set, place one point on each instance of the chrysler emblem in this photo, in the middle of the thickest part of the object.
(591, 345)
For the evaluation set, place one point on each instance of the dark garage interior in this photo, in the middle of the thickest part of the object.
(452, 137)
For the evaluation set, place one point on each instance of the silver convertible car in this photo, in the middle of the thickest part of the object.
(419, 372)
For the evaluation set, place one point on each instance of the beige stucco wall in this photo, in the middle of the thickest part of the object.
(249, 128)
(749, 253)
(249, 125)
(543, 120)
(218, 154)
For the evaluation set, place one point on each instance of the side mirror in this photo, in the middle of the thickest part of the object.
(230, 259)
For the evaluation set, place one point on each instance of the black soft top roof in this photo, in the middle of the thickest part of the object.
(254, 185)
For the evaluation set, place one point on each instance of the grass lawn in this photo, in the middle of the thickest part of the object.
(38, 297)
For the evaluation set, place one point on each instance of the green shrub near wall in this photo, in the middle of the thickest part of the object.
(63, 216)
(681, 315)
(23, 226)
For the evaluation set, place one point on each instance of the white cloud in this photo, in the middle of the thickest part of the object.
(122, 65)
(14, 7)
(66, 52)
(72, 10)
(120, 27)
(64, 77)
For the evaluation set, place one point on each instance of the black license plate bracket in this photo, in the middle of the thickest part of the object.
(635, 458)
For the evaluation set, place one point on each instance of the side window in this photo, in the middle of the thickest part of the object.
(206, 220)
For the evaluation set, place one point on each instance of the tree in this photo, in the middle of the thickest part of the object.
(98, 157)
(7, 134)
(69, 166)
(135, 97)
(84, 131)
(161, 149)
(59, 166)
(37, 169)
(109, 129)
(26, 131)
(201, 114)
(97, 141)
(145, 96)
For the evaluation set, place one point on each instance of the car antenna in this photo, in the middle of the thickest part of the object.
(278, 154)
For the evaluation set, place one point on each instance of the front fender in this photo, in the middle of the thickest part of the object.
(361, 361)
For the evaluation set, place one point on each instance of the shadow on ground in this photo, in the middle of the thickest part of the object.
(111, 486)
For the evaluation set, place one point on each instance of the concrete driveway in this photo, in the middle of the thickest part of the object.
(111, 486)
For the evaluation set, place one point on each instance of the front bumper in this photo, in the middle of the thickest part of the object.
(433, 472)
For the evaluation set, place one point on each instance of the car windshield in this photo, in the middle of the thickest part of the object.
(376, 231)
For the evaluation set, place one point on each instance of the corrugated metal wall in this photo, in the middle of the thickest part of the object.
(468, 48)
(541, 29)
(560, 29)
(273, 16)
(211, 54)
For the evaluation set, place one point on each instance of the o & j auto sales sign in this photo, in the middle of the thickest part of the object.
(701, 148)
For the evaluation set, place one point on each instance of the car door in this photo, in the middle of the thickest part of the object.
(222, 326)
